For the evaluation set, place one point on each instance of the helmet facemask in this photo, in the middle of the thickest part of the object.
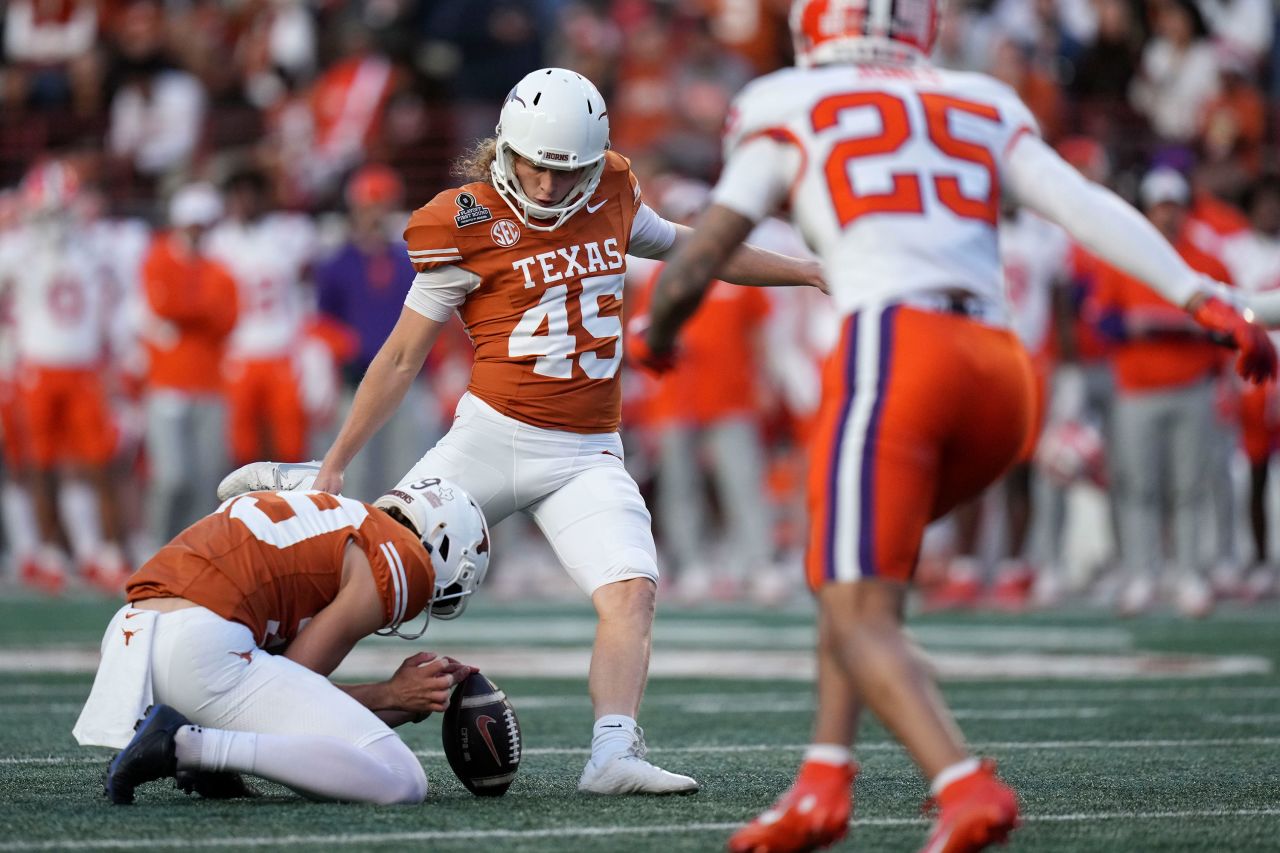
(503, 174)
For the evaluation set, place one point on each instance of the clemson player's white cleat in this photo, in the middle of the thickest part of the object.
(627, 772)
(268, 477)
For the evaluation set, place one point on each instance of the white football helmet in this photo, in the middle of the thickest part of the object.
(827, 31)
(456, 535)
(556, 119)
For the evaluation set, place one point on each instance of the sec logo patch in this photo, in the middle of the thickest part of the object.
(505, 233)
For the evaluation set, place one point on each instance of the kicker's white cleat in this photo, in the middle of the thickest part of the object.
(627, 772)
(268, 477)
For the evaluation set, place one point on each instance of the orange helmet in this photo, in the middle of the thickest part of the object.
(374, 184)
(827, 31)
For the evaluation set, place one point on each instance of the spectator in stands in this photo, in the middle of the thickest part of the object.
(1163, 414)
(190, 312)
(1011, 64)
(362, 286)
(478, 47)
(1231, 130)
(1106, 68)
(1244, 27)
(157, 110)
(1179, 71)
(49, 56)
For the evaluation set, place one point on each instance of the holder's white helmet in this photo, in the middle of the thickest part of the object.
(455, 534)
(556, 119)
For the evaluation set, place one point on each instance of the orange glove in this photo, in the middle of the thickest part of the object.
(1257, 361)
(637, 349)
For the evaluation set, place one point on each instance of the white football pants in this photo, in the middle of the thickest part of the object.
(574, 487)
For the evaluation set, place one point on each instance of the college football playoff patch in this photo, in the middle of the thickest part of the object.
(469, 211)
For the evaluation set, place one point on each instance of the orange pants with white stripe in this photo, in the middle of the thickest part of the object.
(265, 410)
(921, 411)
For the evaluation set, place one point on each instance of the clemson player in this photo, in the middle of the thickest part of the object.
(61, 308)
(267, 254)
(302, 576)
(531, 255)
(894, 171)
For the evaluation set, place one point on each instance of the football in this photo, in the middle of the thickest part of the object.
(481, 737)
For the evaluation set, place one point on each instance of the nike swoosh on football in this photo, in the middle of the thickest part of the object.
(599, 205)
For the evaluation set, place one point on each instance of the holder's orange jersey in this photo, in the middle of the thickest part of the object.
(273, 560)
(545, 308)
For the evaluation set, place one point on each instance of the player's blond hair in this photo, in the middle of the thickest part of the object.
(475, 162)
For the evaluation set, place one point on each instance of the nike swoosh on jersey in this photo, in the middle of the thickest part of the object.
(599, 205)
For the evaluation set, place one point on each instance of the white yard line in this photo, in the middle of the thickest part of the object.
(873, 746)
(690, 705)
(377, 660)
(365, 838)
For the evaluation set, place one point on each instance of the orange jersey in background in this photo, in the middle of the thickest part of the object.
(1150, 364)
(273, 560)
(717, 373)
(191, 301)
(546, 312)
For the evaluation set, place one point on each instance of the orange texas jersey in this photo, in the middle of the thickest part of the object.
(545, 308)
(272, 560)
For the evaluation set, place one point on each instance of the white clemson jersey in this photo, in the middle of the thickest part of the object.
(892, 174)
(268, 259)
(58, 298)
(1034, 254)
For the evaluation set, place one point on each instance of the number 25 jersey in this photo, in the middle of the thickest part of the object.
(543, 308)
(893, 174)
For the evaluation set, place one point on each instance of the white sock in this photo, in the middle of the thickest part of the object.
(612, 734)
(829, 753)
(226, 750)
(19, 520)
(187, 743)
(956, 771)
(81, 517)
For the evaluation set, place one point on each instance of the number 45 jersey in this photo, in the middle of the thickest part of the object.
(543, 308)
(891, 173)
(273, 560)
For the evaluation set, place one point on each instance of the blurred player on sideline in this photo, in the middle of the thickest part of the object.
(231, 629)
(268, 254)
(894, 171)
(190, 311)
(531, 255)
(1165, 367)
(705, 413)
(60, 306)
(1253, 256)
(362, 286)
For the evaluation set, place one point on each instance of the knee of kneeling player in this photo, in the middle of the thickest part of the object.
(407, 781)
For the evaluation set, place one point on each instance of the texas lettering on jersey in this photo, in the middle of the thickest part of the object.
(273, 560)
(545, 314)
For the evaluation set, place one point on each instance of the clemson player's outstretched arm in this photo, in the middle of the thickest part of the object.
(698, 254)
(389, 376)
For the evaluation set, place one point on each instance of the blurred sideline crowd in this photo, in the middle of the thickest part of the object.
(200, 253)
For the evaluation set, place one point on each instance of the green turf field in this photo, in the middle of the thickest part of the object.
(1155, 734)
